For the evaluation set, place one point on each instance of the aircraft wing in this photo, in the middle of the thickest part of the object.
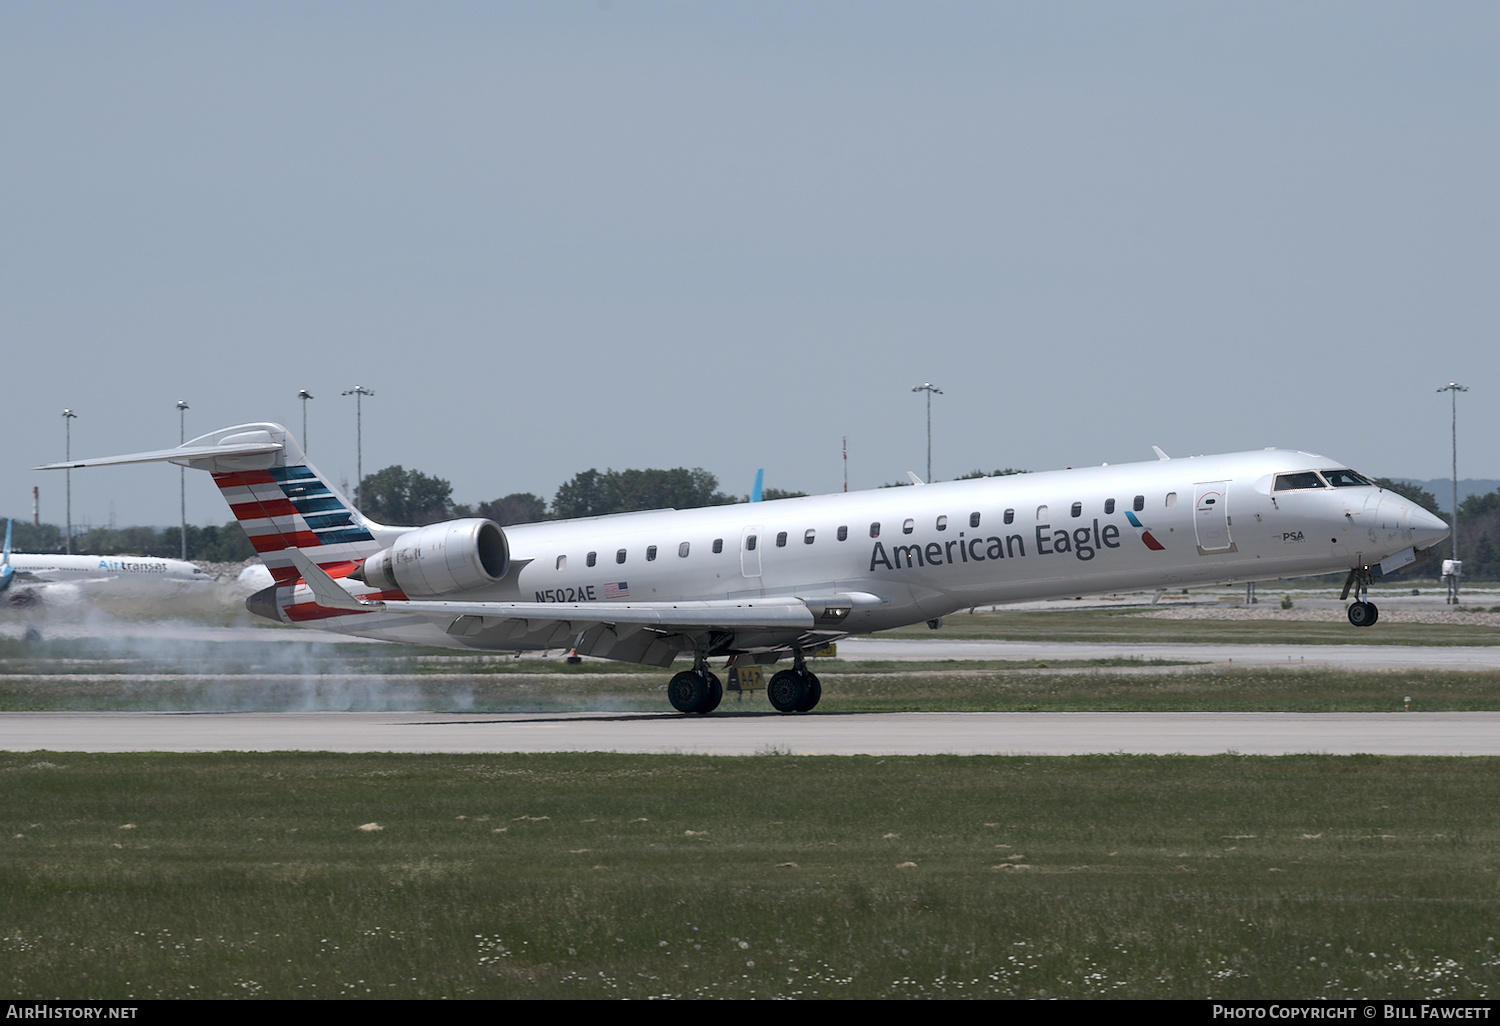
(767, 612)
(622, 630)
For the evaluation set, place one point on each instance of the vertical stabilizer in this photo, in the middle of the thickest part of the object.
(283, 503)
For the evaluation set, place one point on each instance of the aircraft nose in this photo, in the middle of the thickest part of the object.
(1427, 529)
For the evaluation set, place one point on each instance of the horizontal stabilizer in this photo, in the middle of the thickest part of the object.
(183, 454)
(324, 588)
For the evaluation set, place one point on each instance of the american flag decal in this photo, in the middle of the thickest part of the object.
(620, 590)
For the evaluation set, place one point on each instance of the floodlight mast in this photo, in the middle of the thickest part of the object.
(182, 408)
(68, 418)
(359, 392)
(1454, 388)
(930, 389)
(304, 395)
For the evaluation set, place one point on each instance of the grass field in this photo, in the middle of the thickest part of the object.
(239, 875)
(771, 876)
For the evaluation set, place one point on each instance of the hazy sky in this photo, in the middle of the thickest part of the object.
(559, 235)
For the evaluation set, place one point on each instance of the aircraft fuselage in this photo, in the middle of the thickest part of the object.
(919, 553)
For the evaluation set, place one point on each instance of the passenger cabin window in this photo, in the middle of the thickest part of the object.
(843, 534)
(1109, 506)
(807, 539)
(650, 553)
(781, 539)
(1171, 499)
(1344, 478)
(973, 519)
(1139, 504)
(1041, 512)
(682, 550)
(750, 543)
(620, 556)
(875, 529)
(562, 562)
(1010, 516)
(942, 523)
(1078, 509)
(718, 545)
(593, 558)
(908, 527)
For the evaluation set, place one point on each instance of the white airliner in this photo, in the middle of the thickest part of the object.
(762, 581)
(23, 568)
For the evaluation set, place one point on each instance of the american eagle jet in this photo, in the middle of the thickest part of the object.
(768, 580)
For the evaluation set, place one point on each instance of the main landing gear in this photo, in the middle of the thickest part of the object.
(1362, 612)
(699, 691)
(795, 690)
(696, 690)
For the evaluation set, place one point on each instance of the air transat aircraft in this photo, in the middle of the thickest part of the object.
(27, 569)
(763, 581)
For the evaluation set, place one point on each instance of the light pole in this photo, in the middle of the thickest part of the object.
(68, 417)
(182, 407)
(304, 395)
(930, 389)
(359, 392)
(1454, 388)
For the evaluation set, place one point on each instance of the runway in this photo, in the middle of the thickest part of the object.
(826, 732)
(1361, 657)
(1451, 734)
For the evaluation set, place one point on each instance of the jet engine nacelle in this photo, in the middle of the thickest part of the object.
(441, 559)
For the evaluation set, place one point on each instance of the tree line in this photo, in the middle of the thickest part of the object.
(396, 495)
(226, 544)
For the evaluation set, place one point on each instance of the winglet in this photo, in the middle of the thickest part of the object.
(760, 476)
(1159, 454)
(325, 589)
(914, 478)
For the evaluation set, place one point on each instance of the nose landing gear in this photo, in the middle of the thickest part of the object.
(1362, 612)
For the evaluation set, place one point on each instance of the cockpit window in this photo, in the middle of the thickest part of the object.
(1305, 479)
(1344, 478)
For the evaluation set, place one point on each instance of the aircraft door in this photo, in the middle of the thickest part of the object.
(750, 551)
(1211, 518)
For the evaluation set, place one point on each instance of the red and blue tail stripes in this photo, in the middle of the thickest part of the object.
(291, 507)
